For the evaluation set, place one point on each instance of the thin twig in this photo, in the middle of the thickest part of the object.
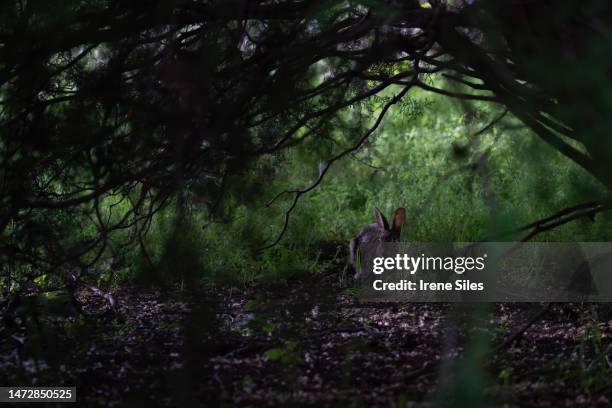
(356, 146)
(561, 217)
(519, 332)
(469, 166)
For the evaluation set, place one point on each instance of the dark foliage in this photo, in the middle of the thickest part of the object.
(108, 104)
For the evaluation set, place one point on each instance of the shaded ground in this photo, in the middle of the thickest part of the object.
(309, 343)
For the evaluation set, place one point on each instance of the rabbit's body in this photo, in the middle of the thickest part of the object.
(378, 232)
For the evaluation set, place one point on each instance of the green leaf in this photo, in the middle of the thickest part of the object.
(250, 305)
(275, 354)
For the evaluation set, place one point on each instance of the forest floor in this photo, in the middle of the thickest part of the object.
(309, 342)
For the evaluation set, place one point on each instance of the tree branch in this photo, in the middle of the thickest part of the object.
(298, 193)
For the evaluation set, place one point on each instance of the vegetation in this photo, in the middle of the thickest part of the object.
(215, 154)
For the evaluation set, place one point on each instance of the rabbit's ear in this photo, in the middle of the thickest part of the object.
(399, 218)
(380, 219)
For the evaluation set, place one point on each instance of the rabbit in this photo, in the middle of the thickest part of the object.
(379, 231)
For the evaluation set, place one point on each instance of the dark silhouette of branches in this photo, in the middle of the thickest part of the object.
(298, 193)
(162, 99)
(586, 210)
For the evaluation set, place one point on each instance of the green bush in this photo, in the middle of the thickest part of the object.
(425, 157)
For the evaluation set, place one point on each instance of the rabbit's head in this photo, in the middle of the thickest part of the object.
(381, 232)
(390, 233)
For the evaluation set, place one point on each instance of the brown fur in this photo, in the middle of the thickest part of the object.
(380, 231)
